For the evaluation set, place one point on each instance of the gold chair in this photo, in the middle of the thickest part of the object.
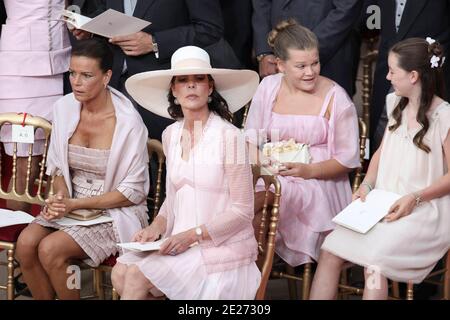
(267, 229)
(244, 119)
(154, 147)
(9, 235)
(444, 282)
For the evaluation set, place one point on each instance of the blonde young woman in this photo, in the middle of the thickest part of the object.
(298, 103)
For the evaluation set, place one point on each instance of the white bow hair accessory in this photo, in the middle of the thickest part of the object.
(435, 61)
(430, 40)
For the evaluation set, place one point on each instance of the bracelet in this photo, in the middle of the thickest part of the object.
(368, 185)
(417, 198)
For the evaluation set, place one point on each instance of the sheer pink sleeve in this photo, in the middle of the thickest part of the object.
(240, 186)
(346, 138)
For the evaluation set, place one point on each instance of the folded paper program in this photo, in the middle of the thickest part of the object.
(109, 24)
(287, 151)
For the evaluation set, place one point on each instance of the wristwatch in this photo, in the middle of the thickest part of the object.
(155, 47)
(199, 233)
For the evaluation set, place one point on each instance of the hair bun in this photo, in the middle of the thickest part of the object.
(280, 27)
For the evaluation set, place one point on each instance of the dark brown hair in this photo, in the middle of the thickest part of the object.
(288, 34)
(95, 48)
(414, 54)
(218, 104)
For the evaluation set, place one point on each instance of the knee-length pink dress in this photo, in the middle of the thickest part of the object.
(88, 169)
(406, 249)
(307, 206)
(34, 54)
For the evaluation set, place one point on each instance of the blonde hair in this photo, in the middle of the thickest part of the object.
(288, 34)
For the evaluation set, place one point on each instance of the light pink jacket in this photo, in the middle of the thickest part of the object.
(227, 207)
(127, 166)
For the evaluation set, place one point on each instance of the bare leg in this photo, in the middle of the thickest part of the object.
(22, 164)
(55, 253)
(326, 279)
(376, 285)
(136, 285)
(118, 277)
(32, 271)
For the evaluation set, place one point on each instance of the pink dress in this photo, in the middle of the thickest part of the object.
(88, 169)
(34, 54)
(307, 206)
(201, 191)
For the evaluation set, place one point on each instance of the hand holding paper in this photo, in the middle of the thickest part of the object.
(109, 24)
(135, 44)
(362, 216)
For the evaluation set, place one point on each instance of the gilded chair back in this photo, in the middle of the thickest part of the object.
(28, 195)
(359, 174)
(155, 148)
(244, 119)
(267, 229)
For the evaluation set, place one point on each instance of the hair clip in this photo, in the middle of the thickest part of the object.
(443, 60)
(434, 61)
(430, 40)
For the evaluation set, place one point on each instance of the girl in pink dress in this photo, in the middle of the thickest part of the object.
(298, 103)
(34, 54)
(206, 219)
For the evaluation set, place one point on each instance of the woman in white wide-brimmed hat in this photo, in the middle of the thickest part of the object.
(209, 249)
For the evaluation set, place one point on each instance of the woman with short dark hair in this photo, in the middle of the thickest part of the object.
(99, 161)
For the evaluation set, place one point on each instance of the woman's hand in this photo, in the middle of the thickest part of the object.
(178, 243)
(401, 208)
(299, 170)
(361, 193)
(148, 234)
(57, 206)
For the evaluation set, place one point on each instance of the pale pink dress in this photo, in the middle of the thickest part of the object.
(34, 54)
(307, 206)
(408, 248)
(201, 192)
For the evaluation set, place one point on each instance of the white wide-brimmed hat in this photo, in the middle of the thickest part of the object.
(150, 89)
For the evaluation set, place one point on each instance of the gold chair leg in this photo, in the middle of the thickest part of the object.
(410, 291)
(10, 281)
(395, 290)
(292, 284)
(115, 295)
(98, 284)
(306, 281)
(446, 294)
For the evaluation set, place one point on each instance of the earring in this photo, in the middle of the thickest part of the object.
(209, 99)
(176, 101)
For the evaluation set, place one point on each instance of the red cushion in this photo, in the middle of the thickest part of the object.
(111, 261)
(11, 233)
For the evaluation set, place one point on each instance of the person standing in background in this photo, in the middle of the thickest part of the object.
(333, 22)
(34, 54)
(174, 23)
(402, 19)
